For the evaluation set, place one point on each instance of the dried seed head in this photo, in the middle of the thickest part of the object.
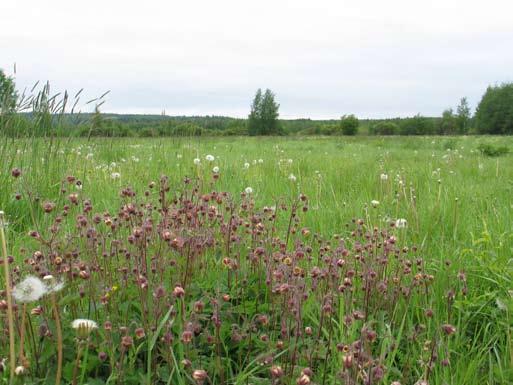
(199, 375)
(448, 329)
(16, 172)
(139, 333)
(178, 291)
(303, 380)
(127, 341)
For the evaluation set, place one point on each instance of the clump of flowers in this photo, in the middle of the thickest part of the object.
(195, 279)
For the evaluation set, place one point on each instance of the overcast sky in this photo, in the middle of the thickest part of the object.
(323, 59)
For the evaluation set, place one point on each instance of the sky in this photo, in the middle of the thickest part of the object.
(322, 59)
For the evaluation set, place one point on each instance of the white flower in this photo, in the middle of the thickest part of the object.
(260, 160)
(210, 158)
(292, 178)
(197, 161)
(401, 223)
(374, 203)
(115, 175)
(289, 161)
(84, 324)
(248, 190)
(384, 177)
(215, 169)
(29, 290)
(179, 156)
(246, 165)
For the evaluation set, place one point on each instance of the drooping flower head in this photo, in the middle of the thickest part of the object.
(210, 158)
(29, 290)
(248, 190)
(199, 375)
(401, 223)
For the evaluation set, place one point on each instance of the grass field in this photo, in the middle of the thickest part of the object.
(450, 325)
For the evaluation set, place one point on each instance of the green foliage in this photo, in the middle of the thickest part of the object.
(384, 128)
(349, 125)
(8, 101)
(418, 125)
(463, 116)
(452, 236)
(8, 94)
(255, 116)
(494, 114)
(263, 118)
(448, 125)
(492, 150)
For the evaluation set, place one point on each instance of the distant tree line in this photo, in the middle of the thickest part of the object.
(493, 115)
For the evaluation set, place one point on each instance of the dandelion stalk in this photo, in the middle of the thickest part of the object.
(77, 362)
(59, 339)
(83, 328)
(12, 354)
(22, 333)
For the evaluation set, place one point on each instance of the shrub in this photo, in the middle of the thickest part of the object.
(418, 125)
(349, 125)
(384, 128)
(492, 150)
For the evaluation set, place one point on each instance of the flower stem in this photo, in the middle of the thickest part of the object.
(22, 333)
(12, 353)
(59, 340)
(77, 363)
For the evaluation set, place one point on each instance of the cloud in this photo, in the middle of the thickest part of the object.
(323, 59)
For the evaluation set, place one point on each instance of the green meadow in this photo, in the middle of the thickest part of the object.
(451, 203)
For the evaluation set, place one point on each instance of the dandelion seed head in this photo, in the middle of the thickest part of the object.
(84, 327)
(29, 290)
(52, 285)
